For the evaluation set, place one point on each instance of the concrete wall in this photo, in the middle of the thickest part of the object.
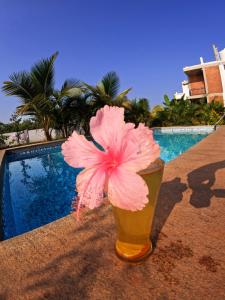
(38, 135)
(33, 136)
(185, 89)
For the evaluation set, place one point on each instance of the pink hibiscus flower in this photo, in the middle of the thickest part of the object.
(112, 171)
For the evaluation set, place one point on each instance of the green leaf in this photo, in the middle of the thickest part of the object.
(111, 84)
(167, 100)
(42, 74)
(124, 93)
(20, 85)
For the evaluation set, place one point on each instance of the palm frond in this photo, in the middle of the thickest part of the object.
(72, 88)
(42, 74)
(91, 88)
(123, 94)
(20, 85)
(111, 84)
(71, 83)
(100, 88)
(166, 100)
(25, 109)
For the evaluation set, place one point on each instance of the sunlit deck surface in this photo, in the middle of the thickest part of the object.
(67, 260)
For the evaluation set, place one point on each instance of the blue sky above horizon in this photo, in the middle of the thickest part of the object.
(146, 42)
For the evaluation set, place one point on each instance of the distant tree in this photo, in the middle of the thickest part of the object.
(71, 111)
(63, 108)
(27, 124)
(184, 112)
(3, 138)
(138, 111)
(212, 112)
(156, 121)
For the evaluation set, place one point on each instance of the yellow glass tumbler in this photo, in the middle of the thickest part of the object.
(133, 228)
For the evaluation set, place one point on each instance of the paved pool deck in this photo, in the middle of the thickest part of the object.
(68, 260)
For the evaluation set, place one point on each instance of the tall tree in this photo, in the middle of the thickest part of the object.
(107, 92)
(36, 91)
(64, 112)
(138, 111)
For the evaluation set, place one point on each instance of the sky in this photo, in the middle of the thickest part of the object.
(147, 42)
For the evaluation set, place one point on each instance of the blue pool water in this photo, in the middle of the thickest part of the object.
(39, 186)
(173, 144)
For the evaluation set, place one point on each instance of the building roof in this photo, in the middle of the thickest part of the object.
(200, 66)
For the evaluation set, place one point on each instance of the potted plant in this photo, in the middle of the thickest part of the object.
(124, 167)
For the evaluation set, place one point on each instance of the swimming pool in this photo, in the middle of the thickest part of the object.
(38, 186)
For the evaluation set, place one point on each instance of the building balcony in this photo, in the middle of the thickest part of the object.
(197, 91)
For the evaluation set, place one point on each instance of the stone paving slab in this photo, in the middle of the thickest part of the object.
(70, 260)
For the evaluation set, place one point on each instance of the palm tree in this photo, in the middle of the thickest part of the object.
(83, 111)
(106, 92)
(138, 111)
(72, 112)
(36, 91)
(64, 111)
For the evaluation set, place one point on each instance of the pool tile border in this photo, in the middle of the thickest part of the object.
(182, 129)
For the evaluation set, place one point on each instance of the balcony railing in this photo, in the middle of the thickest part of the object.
(197, 91)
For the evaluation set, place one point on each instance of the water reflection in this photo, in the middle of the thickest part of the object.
(41, 191)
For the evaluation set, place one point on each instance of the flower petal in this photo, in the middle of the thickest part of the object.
(78, 152)
(127, 190)
(141, 149)
(90, 187)
(107, 126)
